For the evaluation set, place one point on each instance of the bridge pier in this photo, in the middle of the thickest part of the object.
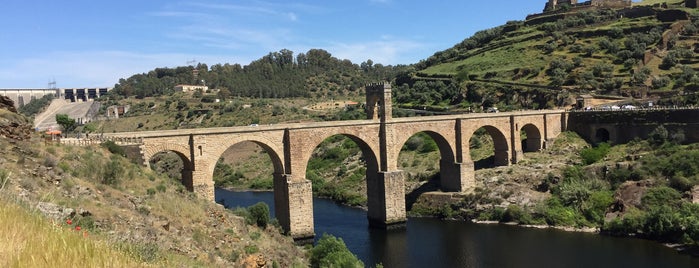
(457, 177)
(202, 184)
(517, 155)
(386, 199)
(293, 206)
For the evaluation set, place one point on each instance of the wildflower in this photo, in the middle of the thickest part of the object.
(77, 228)
(69, 221)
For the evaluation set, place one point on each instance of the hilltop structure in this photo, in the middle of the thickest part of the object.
(552, 5)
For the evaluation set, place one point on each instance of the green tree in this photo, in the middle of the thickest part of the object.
(67, 124)
(332, 252)
(259, 214)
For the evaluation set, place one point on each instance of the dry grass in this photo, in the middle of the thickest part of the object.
(29, 240)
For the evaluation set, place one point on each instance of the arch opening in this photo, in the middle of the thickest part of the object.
(247, 165)
(601, 135)
(531, 138)
(175, 166)
(428, 163)
(340, 167)
(488, 148)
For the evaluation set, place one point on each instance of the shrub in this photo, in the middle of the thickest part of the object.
(594, 154)
(661, 196)
(514, 213)
(658, 136)
(114, 148)
(558, 215)
(332, 252)
(112, 172)
(258, 214)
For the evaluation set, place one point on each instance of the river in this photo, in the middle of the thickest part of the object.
(436, 243)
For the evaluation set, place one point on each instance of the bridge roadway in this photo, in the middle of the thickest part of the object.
(290, 146)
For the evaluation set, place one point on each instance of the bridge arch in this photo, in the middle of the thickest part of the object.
(275, 153)
(150, 152)
(500, 144)
(370, 157)
(533, 141)
(448, 172)
(602, 135)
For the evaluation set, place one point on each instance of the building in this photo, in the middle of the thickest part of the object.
(555, 4)
(22, 96)
(191, 88)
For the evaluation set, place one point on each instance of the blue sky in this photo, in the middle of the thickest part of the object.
(90, 43)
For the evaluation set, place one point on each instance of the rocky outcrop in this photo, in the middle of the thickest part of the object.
(628, 195)
(13, 125)
(7, 104)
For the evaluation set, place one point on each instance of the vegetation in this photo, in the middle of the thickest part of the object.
(584, 197)
(118, 207)
(332, 252)
(35, 106)
(57, 244)
(67, 124)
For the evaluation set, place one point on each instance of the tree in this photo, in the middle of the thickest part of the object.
(259, 214)
(67, 124)
(332, 252)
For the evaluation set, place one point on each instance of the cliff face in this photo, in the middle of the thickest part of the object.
(13, 125)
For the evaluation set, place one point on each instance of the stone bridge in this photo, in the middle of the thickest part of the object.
(380, 138)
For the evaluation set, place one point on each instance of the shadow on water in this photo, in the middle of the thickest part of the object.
(430, 186)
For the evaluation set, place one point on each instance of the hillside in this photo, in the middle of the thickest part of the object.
(639, 52)
(89, 206)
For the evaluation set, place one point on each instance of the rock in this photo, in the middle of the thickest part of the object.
(7, 104)
(54, 211)
(254, 261)
(162, 224)
(83, 212)
(628, 195)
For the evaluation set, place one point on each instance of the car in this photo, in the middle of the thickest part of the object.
(492, 110)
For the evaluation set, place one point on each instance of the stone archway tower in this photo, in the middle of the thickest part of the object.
(385, 188)
(378, 101)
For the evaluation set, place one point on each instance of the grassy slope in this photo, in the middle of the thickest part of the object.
(29, 240)
(515, 50)
(128, 211)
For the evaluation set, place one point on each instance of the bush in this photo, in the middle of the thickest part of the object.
(114, 148)
(514, 213)
(558, 215)
(661, 196)
(112, 172)
(258, 214)
(332, 252)
(594, 154)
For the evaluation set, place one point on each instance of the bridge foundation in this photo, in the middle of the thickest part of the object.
(517, 156)
(386, 199)
(202, 184)
(457, 177)
(293, 206)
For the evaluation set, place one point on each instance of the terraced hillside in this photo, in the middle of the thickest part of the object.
(646, 50)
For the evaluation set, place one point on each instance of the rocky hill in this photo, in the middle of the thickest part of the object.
(147, 217)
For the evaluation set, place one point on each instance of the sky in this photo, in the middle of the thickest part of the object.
(92, 43)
